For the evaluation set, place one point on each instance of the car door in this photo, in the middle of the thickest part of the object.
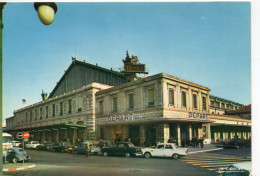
(159, 151)
(121, 149)
(168, 150)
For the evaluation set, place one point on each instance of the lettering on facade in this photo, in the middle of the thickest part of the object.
(198, 115)
(120, 118)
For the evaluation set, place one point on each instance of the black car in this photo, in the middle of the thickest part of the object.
(61, 147)
(44, 146)
(122, 148)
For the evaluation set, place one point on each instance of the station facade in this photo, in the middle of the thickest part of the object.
(103, 104)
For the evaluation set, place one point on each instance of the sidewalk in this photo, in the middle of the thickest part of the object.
(17, 166)
(206, 148)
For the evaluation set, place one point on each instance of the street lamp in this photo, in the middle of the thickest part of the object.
(46, 12)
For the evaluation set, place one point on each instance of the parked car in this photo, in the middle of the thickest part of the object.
(81, 149)
(165, 150)
(122, 148)
(236, 143)
(237, 169)
(62, 147)
(95, 147)
(17, 154)
(44, 146)
(32, 144)
(16, 143)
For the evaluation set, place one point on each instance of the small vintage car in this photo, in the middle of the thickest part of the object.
(165, 150)
(122, 148)
(32, 144)
(61, 147)
(16, 154)
(44, 146)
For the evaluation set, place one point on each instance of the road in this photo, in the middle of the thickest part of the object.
(65, 164)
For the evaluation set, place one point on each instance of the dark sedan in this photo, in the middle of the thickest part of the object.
(61, 147)
(122, 148)
(44, 146)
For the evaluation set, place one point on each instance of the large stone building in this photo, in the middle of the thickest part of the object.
(90, 102)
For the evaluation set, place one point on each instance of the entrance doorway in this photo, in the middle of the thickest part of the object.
(134, 134)
(150, 136)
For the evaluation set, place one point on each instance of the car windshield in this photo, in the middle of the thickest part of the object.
(20, 150)
(35, 142)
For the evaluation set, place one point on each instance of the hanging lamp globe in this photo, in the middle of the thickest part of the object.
(46, 11)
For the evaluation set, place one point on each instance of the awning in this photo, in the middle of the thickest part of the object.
(48, 127)
(154, 120)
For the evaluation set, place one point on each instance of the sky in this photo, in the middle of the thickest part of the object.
(207, 43)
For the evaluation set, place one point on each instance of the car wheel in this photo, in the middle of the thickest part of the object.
(127, 155)
(105, 154)
(14, 160)
(175, 156)
(147, 155)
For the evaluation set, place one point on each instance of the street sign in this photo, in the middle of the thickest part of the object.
(26, 135)
(19, 135)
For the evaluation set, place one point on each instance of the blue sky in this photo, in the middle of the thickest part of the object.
(207, 43)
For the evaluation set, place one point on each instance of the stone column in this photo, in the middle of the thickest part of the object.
(58, 136)
(179, 134)
(162, 132)
(142, 135)
(190, 132)
(208, 132)
(200, 131)
(74, 135)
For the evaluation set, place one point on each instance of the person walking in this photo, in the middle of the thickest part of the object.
(87, 150)
(201, 142)
(101, 144)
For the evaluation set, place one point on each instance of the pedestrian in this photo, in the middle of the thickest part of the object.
(201, 143)
(87, 150)
(101, 144)
(196, 142)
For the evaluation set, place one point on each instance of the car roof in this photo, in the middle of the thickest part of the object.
(243, 165)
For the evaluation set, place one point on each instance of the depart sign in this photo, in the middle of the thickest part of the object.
(198, 115)
(120, 118)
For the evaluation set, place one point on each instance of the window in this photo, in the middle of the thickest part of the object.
(212, 103)
(131, 101)
(26, 116)
(217, 104)
(30, 116)
(204, 105)
(168, 147)
(100, 106)
(227, 106)
(183, 96)
(79, 104)
(194, 101)
(47, 112)
(40, 113)
(35, 114)
(160, 146)
(171, 97)
(69, 104)
(53, 110)
(222, 105)
(115, 104)
(151, 97)
(61, 108)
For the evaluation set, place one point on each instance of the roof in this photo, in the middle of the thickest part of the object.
(223, 99)
(76, 62)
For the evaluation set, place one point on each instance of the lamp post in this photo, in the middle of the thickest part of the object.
(46, 12)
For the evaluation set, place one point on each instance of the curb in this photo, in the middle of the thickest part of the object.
(19, 168)
(206, 150)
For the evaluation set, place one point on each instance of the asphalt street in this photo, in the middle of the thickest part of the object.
(65, 164)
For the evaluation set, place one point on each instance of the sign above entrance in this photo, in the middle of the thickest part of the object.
(120, 118)
(198, 115)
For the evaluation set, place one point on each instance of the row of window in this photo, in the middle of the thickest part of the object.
(184, 100)
(223, 105)
(29, 115)
(150, 102)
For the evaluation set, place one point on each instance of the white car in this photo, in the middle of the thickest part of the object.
(32, 144)
(165, 150)
(16, 143)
